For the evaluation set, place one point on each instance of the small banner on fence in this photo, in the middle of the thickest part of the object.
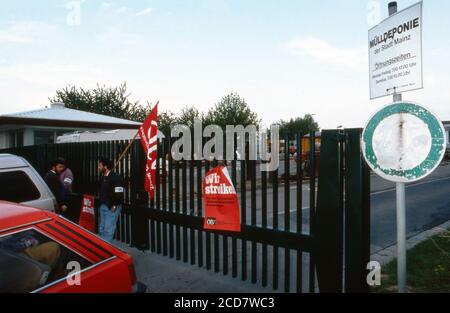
(87, 214)
(222, 211)
(148, 133)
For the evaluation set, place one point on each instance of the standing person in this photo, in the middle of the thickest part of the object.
(111, 199)
(53, 182)
(66, 179)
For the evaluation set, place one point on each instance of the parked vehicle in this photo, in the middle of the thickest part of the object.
(21, 183)
(57, 252)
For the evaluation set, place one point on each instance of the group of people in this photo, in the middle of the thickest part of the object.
(60, 180)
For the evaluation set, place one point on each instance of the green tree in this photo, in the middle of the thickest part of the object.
(304, 125)
(187, 116)
(165, 121)
(112, 101)
(232, 110)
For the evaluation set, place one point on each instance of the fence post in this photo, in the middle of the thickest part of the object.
(328, 222)
(139, 200)
(357, 214)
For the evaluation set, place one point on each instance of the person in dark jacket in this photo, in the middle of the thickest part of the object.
(111, 199)
(66, 178)
(53, 182)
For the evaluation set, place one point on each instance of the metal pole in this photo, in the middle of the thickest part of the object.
(401, 207)
(401, 238)
(392, 7)
(401, 219)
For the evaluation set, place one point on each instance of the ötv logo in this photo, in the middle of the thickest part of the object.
(211, 220)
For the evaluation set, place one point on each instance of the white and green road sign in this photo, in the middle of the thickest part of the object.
(404, 142)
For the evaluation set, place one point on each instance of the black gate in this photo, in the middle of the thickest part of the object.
(300, 233)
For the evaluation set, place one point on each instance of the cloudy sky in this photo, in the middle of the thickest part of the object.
(286, 58)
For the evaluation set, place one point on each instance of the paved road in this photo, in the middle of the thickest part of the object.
(427, 205)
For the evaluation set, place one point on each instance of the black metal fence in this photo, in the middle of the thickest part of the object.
(294, 237)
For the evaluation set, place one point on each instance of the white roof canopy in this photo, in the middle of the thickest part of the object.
(58, 112)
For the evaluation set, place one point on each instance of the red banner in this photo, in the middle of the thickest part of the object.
(222, 210)
(87, 214)
(148, 133)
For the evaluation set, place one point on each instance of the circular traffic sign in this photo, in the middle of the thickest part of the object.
(404, 142)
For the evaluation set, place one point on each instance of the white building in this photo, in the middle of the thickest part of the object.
(46, 125)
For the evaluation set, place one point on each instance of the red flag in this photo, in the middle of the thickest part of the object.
(148, 133)
(87, 214)
(222, 210)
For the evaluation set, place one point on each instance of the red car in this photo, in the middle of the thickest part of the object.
(43, 252)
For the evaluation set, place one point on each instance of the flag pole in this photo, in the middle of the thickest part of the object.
(122, 155)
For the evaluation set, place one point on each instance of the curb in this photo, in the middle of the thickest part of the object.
(390, 253)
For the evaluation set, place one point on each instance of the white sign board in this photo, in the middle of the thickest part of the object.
(404, 142)
(395, 53)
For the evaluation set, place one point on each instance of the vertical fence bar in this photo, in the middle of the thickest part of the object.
(163, 172)
(253, 220)
(287, 216)
(177, 210)
(114, 156)
(159, 236)
(225, 254)
(139, 217)
(299, 210)
(121, 229)
(312, 207)
(264, 225)
(216, 241)
(275, 227)
(170, 194)
(116, 152)
(124, 213)
(119, 169)
(199, 211)
(234, 267)
(126, 208)
(225, 237)
(132, 198)
(208, 234)
(243, 217)
(126, 173)
(192, 205)
(95, 183)
(340, 221)
(90, 170)
(185, 209)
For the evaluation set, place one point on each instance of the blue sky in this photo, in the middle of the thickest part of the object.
(286, 58)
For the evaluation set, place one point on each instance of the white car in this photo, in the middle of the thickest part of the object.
(21, 183)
